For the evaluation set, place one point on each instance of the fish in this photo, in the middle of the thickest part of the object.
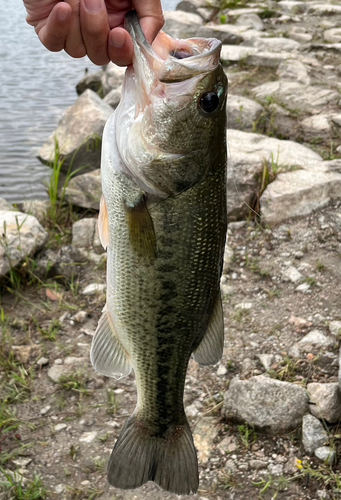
(163, 222)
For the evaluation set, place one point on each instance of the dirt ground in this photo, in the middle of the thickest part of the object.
(48, 423)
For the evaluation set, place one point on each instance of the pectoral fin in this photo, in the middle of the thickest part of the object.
(103, 223)
(107, 354)
(141, 228)
(210, 349)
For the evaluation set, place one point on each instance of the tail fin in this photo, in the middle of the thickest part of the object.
(170, 461)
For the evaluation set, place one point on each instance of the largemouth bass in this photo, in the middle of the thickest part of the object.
(163, 221)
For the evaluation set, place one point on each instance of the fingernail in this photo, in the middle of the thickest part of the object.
(62, 14)
(93, 6)
(117, 40)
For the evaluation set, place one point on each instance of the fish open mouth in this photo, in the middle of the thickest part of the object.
(169, 60)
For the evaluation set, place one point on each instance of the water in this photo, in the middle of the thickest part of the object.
(36, 86)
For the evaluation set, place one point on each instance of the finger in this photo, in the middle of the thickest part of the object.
(95, 30)
(53, 31)
(151, 17)
(120, 47)
(74, 44)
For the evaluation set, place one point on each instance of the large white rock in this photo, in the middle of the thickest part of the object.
(325, 401)
(227, 33)
(333, 35)
(85, 190)
(252, 56)
(284, 153)
(181, 24)
(266, 403)
(297, 193)
(296, 96)
(79, 134)
(292, 7)
(323, 9)
(313, 434)
(242, 112)
(293, 70)
(247, 155)
(21, 235)
(316, 127)
(275, 44)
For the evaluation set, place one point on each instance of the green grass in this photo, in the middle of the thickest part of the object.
(74, 382)
(49, 333)
(33, 490)
(247, 435)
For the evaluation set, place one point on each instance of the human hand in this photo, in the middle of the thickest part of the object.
(92, 27)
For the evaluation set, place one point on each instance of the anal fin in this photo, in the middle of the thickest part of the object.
(107, 354)
(210, 350)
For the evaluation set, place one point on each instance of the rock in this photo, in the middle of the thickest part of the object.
(83, 232)
(93, 81)
(258, 464)
(316, 127)
(24, 353)
(79, 135)
(80, 317)
(316, 339)
(332, 35)
(69, 259)
(325, 401)
(221, 370)
(293, 70)
(296, 96)
(204, 434)
(248, 153)
(251, 21)
(88, 437)
(297, 193)
(242, 112)
(112, 78)
(322, 495)
(313, 434)
(56, 372)
(335, 328)
(21, 235)
(4, 205)
(85, 190)
(327, 454)
(273, 45)
(45, 410)
(42, 361)
(267, 360)
(227, 33)
(233, 53)
(204, 9)
(179, 24)
(113, 97)
(292, 7)
(73, 361)
(22, 462)
(230, 466)
(291, 274)
(94, 288)
(299, 34)
(323, 9)
(268, 404)
(60, 427)
(37, 208)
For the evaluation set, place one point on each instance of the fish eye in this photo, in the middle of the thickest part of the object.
(209, 102)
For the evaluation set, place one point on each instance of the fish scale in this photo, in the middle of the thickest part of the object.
(163, 220)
